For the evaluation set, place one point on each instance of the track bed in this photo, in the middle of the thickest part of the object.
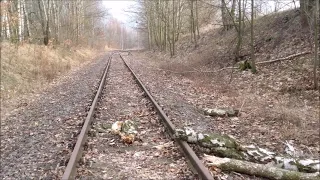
(152, 156)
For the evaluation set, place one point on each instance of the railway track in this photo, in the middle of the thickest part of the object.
(102, 155)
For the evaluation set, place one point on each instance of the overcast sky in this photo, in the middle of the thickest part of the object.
(117, 9)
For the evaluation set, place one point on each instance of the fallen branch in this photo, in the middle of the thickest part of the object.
(227, 164)
(225, 146)
(263, 62)
(285, 58)
(232, 67)
(185, 72)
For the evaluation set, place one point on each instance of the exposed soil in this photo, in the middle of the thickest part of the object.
(152, 156)
(38, 136)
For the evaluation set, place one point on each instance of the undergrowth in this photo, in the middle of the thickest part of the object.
(28, 67)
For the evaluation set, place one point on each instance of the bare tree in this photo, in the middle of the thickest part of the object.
(239, 43)
(51, 21)
(316, 42)
(20, 20)
(253, 64)
(306, 11)
(5, 21)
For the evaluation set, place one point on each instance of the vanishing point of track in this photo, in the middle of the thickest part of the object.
(70, 171)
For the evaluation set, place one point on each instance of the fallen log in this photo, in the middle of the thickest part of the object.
(245, 167)
(243, 65)
(285, 58)
(221, 112)
(225, 146)
(231, 67)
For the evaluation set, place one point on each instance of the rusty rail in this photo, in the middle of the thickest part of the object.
(69, 173)
(202, 171)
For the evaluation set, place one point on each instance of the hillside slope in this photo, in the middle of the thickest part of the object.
(28, 69)
(276, 35)
(277, 104)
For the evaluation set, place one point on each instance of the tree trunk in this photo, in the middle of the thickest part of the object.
(149, 33)
(223, 15)
(13, 30)
(8, 29)
(180, 8)
(44, 22)
(304, 14)
(316, 45)
(2, 22)
(254, 169)
(197, 20)
(41, 19)
(29, 33)
(253, 63)
(55, 15)
(20, 21)
(228, 16)
(233, 9)
(238, 47)
(173, 27)
(192, 23)
(46, 37)
(5, 26)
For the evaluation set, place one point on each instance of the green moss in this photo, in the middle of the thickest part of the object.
(105, 126)
(303, 168)
(292, 176)
(227, 152)
(206, 141)
(245, 65)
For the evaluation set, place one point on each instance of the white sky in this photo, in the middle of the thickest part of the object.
(117, 9)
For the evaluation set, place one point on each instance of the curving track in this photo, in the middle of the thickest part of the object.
(155, 156)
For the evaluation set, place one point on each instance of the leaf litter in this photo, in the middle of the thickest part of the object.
(274, 107)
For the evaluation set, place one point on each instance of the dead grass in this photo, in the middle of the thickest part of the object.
(28, 67)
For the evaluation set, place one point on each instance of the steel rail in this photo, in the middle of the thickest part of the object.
(202, 171)
(70, 170)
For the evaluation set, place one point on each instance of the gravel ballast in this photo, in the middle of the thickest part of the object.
(37, 139)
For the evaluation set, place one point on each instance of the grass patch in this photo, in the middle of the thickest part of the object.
(27, 67)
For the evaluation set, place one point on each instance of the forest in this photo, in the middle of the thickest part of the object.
(233, 84)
